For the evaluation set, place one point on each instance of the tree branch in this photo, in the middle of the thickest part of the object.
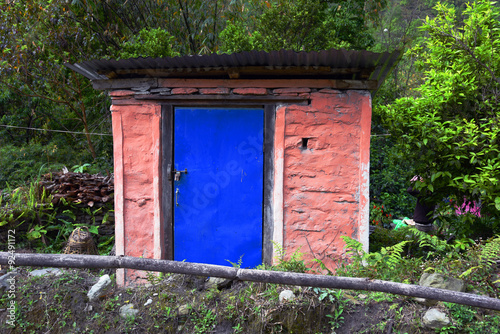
(267, 276)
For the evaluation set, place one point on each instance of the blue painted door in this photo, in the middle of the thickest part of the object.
(218, 201)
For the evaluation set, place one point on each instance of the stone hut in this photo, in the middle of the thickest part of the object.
(227, 158)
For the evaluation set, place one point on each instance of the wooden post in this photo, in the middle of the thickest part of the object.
(265, 276)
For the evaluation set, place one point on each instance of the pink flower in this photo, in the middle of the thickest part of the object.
(475, 209)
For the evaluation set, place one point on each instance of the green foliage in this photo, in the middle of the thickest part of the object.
(395, 253)
(387, 258)
(413, 252)
(335, 297)
(301, 25)
(383, 237)
(467, 319)
(236, 38)
(38, 38)
(20, 165)
(490, 251)
(389, 177)
(43, 226)
(37, 92)
(391, 255)
(154, 43)
(25, 205)
(487, 256)
(471, 226)
(294, 263)
(205, 321)
(450, 131)
(378, 217)
(398, 29)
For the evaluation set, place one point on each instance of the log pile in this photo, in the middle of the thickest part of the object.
(78, 188)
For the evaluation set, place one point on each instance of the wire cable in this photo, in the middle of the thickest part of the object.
(61, 131)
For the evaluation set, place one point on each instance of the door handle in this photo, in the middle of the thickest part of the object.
(177, 197)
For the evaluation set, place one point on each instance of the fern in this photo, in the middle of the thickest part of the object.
(394, 253)
(491, 251)
(433, 242)
(353, 246)
(488, 257)
(389, 256)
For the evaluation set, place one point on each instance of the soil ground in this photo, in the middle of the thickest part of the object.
(182, 304)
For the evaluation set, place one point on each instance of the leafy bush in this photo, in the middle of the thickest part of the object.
(41, 225)
(21, 165)
(471, 226)
(410, 252)
(383, 237)
(389, 178)
(450, 132)
(154, 43)
(301, 25)
(378, 217)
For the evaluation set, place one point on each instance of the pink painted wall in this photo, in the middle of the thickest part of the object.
(136, 140)
(326, 184)
(320, 192)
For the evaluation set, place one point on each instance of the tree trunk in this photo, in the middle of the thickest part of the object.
(266, 276)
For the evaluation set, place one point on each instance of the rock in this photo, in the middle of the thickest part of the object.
(183, 310)
(436, 319)
(46, 271)
(100, 288)
(441, 282)
(7, 279)
(149, 301)
(88, 308)
(218, 282)
(128, 311)
(286, 295)
(141, 88)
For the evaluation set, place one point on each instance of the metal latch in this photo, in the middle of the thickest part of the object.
(175, 174)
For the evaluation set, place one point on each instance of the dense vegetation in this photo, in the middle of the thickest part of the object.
(436, 116)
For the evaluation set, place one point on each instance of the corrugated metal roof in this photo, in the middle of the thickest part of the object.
(335, 64)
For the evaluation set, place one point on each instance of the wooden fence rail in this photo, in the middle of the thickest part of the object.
(265, 276)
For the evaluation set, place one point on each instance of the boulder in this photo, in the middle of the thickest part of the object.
(100, 289)
(184, 310)
(435, 319)
(439, 281)
(286, 295)
(128, 311)
(7, 280)
(442, 282)
(218, 282)
(46, 271)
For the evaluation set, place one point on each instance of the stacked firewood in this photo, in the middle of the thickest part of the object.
(79, 188)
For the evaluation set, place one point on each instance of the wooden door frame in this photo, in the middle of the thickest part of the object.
(167, 152)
